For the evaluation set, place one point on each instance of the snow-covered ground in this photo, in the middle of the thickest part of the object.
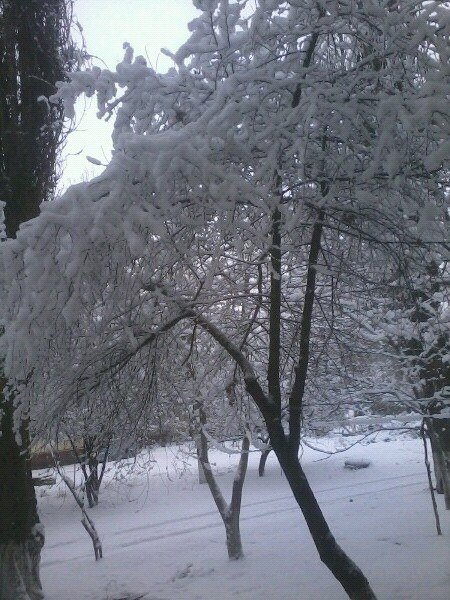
(162, 535)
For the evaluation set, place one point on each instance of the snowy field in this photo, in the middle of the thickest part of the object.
(163, 537)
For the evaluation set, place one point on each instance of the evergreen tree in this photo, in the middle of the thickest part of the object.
(35, 51)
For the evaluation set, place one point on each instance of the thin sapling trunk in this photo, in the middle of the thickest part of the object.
(86, 521)
(430, 481)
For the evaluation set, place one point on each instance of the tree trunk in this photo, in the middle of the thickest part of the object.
(234, 544)
(439, 433)
(437, 473)
(34, 54)
(91, 493)
(430, 480)
(201, 472)
(201, 444)
(21, 537)
(86, 521)
(230, 513)
(92, 483)
(332, 555)
(19, 566)
(262, 461)
(343, 568)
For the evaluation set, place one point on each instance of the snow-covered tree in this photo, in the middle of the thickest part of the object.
(416, 324)
(35, 51)
(276, 125)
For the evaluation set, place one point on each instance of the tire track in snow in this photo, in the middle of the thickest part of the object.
(257, 503)
(118, 548)
(210, 513)
(257, 516)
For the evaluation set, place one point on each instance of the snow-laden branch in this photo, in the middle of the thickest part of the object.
(188, 196)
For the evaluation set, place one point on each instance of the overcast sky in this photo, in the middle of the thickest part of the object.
(148, 25)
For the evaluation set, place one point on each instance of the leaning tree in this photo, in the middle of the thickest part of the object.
(274, 127)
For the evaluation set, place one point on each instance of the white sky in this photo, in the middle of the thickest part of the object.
(148, 25)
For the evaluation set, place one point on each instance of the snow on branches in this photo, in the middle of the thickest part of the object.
(295, 107)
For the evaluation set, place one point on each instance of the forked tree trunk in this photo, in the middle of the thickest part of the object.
(430, 480)
(343, 568)
(230, 513)
(93, 470)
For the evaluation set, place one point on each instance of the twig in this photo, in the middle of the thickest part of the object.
(359, 440)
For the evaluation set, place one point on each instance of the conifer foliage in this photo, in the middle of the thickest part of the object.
(35, 51)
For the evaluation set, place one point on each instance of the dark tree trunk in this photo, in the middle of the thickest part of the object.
(21, 538)
(430, 480)
(92, 489)
(93, 483)
(262, 461)
(332, 555)
(91, 473)
(34, 53)
(201, 443)
(437, 473)
(301, 371)
(93, 469)
(439, 433)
